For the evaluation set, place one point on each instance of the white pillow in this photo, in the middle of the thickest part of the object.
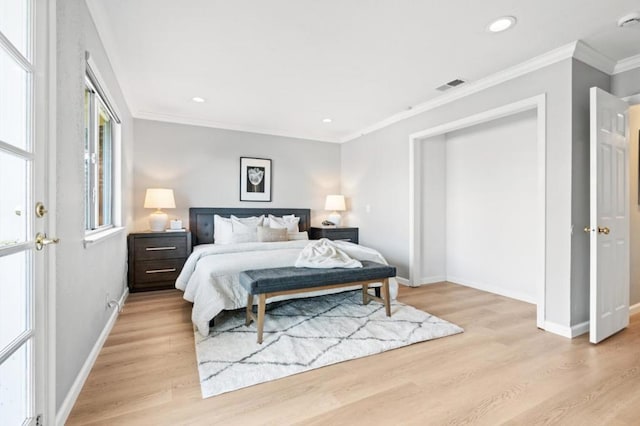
(286, 216)
(246, 224)
(298, 235)
(244, 237)
(222, 230)
(290, 222)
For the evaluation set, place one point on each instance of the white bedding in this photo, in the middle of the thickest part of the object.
(210, 280)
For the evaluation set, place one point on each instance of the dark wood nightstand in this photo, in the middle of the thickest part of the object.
(344, 234)
(156, 259)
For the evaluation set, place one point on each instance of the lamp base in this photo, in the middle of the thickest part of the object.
(158, 221)
(335, 218)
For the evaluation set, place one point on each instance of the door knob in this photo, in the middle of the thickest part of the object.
(587, 229)
(42, 240)
(604, 230)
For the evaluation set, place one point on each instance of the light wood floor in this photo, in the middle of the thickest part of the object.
(502, 369)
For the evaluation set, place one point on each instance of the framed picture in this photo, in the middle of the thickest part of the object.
(255, 179)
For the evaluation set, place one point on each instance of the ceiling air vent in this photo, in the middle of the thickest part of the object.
(451, 84)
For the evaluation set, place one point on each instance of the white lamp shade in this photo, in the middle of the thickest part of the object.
(159, 198)
(335, 203)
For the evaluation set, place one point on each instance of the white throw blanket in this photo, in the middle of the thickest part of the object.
(324, 253)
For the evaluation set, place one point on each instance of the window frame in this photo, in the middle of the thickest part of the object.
(96, 103)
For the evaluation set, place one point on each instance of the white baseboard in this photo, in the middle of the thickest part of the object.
(433, 279)
(565, 331)
(560, 330)
(423, 281)
(72, 395)
(492, 289)
(579, 329)
(634, 309)
(403, 281)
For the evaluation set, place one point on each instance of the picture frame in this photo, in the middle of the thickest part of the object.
(255, 179)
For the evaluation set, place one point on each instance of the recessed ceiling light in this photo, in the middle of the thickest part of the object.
(501, 24)
(198, 99)
(327, 120)
(630, 19)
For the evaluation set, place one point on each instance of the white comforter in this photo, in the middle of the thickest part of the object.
(210, 280)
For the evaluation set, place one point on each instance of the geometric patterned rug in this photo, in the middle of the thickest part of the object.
(303, 334)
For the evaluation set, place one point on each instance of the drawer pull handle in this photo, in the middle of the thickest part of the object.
(160, 271)
(160, 248)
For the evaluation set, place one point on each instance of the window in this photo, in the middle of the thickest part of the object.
(98, 158)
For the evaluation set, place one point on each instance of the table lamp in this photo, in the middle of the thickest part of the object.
(336, 204)
(159, 198)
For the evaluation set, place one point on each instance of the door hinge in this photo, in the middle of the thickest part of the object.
(39, 420)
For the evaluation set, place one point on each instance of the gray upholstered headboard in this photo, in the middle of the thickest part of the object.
(201, 219)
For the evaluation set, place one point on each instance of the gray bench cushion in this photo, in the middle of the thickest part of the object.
(258, 281)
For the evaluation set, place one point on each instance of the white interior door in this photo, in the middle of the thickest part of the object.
(22, 184)
(609, 229)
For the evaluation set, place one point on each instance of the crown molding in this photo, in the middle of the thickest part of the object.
(627, 64)
(577, 49)
(170, 118)
(592, 57)
(533, 64)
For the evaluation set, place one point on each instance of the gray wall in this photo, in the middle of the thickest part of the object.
(583, 77)
(202, 166)
(626, 83)
(84, 276)
(375, 172)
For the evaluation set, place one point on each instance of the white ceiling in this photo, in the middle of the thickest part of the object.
(281, 66)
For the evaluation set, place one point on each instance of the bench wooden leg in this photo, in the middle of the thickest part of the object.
(387, 298)
(365, 294)
(249, 309)
(262, 302)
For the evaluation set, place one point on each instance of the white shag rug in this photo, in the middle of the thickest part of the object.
(303, 334)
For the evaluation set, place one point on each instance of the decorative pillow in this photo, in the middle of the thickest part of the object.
(270, 235)
(289, 222)
(222, 230)
(298, 235)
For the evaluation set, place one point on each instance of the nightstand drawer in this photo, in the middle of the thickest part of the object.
(154, 248)
(343, 235)
(158, 270)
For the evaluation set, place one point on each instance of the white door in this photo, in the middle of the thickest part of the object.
(23, 65)
(609, 229)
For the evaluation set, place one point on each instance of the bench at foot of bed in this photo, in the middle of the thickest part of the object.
(271, 282)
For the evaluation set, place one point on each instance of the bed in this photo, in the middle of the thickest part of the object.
(210, 276)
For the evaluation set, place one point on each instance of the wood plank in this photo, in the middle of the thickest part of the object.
(501, 370)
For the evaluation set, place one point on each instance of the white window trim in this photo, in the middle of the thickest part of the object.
(101, 235)
(96, 235)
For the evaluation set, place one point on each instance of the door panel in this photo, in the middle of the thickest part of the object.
(21, 183)
(13, 297)
(609, 229)
(13, 199)
(14, 23)
(15, 389)
(14, 86)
